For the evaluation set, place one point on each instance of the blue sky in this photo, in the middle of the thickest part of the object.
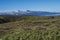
(37, 5)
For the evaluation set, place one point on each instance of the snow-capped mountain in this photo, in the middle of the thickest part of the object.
(33, 13)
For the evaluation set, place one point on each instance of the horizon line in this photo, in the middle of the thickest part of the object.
(26, 10)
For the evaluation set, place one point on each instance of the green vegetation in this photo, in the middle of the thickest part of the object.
(29, 27)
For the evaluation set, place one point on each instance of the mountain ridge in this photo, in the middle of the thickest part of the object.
(32, 13)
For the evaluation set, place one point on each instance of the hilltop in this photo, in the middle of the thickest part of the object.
(11, 25)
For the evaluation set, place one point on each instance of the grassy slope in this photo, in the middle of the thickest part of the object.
(31, 28)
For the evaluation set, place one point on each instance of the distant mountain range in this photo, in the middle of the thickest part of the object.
(32, 13)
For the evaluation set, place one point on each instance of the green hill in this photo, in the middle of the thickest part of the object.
(29, 27)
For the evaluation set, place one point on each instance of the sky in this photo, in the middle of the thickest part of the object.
(35, 5)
